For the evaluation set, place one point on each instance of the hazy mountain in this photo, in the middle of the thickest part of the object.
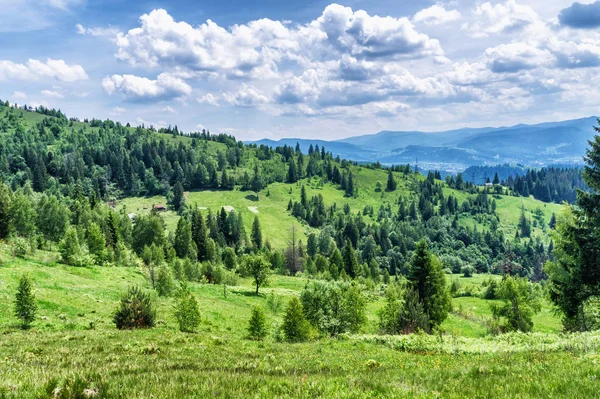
(530, 145)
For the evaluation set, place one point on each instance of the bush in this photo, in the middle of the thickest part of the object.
(187, 312)
(333, 308)
(403, 313)
(295, 326)
(468, 271)
(164, 281)
(25, 305)
(135, 311)
(490, 291)
(274, 302)
(455, 288)
(521, 302)
(257, 328)
(20, 247)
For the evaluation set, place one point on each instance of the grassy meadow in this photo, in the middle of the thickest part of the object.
(73, 347)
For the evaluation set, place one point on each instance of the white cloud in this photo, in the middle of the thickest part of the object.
(52, 94)
(169, 109)
(137, 88)
(109, 31)
(436, 15)
(38, 70)
(200, 127)
(517, 56)
(19, 95)
(209, 99)
(246, 96)
(117, 111)
(505, 17)
(362, 35)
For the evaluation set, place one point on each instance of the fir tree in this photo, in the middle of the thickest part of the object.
(256, 234)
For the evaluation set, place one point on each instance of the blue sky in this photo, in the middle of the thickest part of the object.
(312, 69)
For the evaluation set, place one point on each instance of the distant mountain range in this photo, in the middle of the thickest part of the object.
(454, 150)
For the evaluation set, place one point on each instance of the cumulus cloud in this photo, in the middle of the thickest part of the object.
(256, 49)
(246, 96)
(581, 16)
(136, 88)
(38, 70)
(436, 15)
(501, 18)
(209, 99)
(516, 56)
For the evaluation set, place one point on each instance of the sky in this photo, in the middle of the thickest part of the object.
(309, 69)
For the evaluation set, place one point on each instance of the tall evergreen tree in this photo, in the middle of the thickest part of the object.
(256, 234)
(25, 304)
(427, 278)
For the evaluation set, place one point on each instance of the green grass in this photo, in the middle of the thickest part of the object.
(73, 343)
(62, 351)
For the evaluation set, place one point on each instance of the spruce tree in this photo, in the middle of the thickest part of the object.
(427, 278)
(25, 304)
(295, 326)
(256, 234)
(257, 328)
(391, 182)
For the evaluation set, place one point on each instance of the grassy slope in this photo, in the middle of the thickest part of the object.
(217, 361)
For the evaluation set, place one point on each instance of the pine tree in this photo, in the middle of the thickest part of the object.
(295, 326)
(350, 261)
(164, 281)
(5, 211)
(349, 185)
(183, 238)
(391, 182)
(25, 304)
(199, 234)
(178, 196)
(428, 279)
(256, 234)
(257, 328)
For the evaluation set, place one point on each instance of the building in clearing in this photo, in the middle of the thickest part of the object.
(159, 208)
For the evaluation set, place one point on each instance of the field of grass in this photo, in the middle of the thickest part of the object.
(73, 345)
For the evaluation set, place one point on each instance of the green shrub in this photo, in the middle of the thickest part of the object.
(468, 271)
(333, 308)
(187, 311)
(295, 326)
(164, 281)
(257, 328)
(274, 302)
(135, 311)
(20, 247)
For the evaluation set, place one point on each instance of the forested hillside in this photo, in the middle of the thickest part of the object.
(551, 184)
(62, 174)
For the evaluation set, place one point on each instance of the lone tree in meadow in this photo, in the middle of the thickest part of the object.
(259, 268)
(257, 326)
(25, 305)
(428, 279)
(187, 311)
(520, 304)
(136, 310)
